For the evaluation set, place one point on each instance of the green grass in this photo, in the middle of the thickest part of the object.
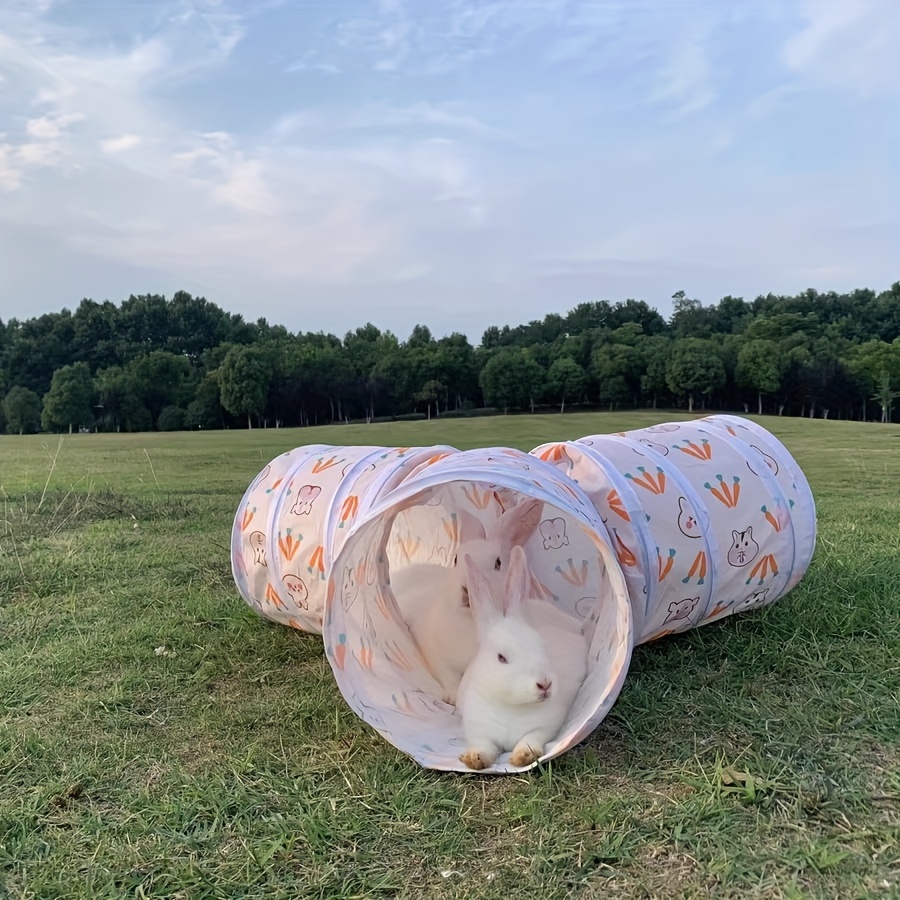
(158, 739)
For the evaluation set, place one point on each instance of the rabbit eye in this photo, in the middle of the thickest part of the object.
(501, 658)
(497, 563)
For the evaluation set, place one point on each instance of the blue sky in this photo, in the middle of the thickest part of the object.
(460, 163)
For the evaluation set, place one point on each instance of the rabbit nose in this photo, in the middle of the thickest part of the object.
(545, 687)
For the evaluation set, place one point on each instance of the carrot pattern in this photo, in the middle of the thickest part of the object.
(664, 565)
(655, 484)
(724, 493)
(702, 451)
(574, 576)
(321, 464)
(288, 545)
(614, 502)
(697, 569)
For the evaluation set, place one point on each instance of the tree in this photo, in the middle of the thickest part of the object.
(453, 364)
(656, 351)
(23, 411)
(161, 379)
(95, 337)
(37, 348)
(759, 367)
(430, 393)
(510, 378)
(885, 396)
(694, 368)
(244, 381)
(121, 407)
(617, 369)
(172, 418)
(205, 410)
(690, 318)
(68, 402)
(876, 365)
(565, 379)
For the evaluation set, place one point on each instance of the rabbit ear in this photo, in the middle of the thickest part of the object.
(470, 527)
(481, 601)
(517, 582)
(518, 524)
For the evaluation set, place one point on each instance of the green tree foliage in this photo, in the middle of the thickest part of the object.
(205, 410)
(817, 354)
(244, 381)
(694, 369)
(759, 367)
(511, 379)
(160, 379)
(67, 405)
(119, 402)
(885, 396)
(656, 352)
(22, 409)
(172, 418)
(566, 380)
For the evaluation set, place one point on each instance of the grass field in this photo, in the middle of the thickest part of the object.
(158, 739)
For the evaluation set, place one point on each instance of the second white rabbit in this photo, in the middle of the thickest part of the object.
(434, 599)
(531, 660)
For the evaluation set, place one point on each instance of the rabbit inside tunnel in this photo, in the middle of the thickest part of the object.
(620, 539)
(534, 605)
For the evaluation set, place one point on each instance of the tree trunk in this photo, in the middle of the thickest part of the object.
(249, 421)
(759, 400)
(812, 410)
(562, 405)
(690, 403)
(825, 413)
(780, 408)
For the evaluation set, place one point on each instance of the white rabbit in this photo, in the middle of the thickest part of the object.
(434, 599)
(519, 688)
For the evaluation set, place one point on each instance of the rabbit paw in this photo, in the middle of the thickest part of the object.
(523, 755)
(475, 760)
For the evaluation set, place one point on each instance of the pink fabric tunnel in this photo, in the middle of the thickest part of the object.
(643, 534)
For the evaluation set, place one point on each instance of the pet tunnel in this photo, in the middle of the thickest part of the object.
(709, 517)
(295, 515)
(642, 534)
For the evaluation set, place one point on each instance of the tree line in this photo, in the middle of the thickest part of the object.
(184, 363)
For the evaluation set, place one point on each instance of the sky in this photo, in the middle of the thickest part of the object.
(456, 163)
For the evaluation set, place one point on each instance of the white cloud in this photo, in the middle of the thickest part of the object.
(120, 144)
(428, 117)
(848, 44)
(686, 81)
(10, 172)
(535, 176)
(50, 128)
